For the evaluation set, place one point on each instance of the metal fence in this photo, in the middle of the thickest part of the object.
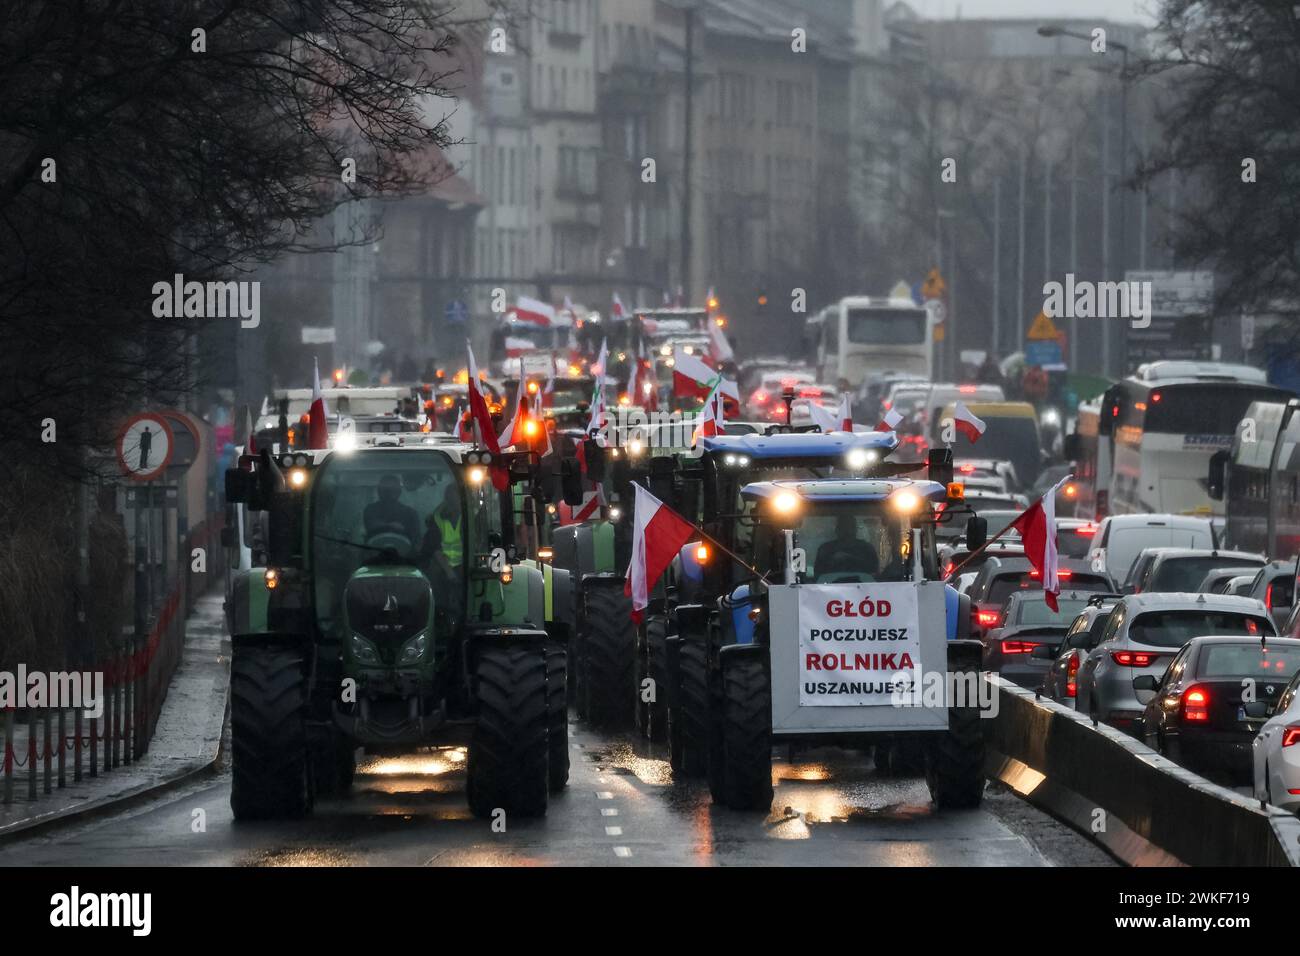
(39, 743)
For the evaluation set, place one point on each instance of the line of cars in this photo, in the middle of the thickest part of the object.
(1196, 652)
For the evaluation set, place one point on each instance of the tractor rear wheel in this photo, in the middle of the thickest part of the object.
(608, 664)
(954, 768)
(652, 664)
(746, 732)
(690, 714)
(270, 770)
(509, 750)
(558, 716)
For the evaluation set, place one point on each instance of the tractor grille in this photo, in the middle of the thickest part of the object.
(388, 611)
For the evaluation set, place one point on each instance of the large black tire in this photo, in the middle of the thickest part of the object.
(557, 707)
(270, 769)
(509, 750)
(746, 732)
(333, 764)
(690, 713)
(954, 768)
(608, 664)
(652, 665)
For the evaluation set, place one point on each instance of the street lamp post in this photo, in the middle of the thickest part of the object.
(1048, 30)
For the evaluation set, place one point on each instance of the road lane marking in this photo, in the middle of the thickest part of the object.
(613, 831)
(604, 795)
(622, 851)
(608, 812)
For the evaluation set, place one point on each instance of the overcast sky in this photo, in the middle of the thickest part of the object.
(1124, 10)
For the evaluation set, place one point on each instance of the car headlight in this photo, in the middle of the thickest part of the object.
(414, 649)
(364, 651)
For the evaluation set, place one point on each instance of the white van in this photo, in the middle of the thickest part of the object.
(1120, 538)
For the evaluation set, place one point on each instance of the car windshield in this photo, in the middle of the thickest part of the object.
(1275, 662)
(1176, 628)
(1037, 612)
(1012, 438)
(1124, 544)
(1184, 574)
(1071, 544)
(856, 546)
(377, 507)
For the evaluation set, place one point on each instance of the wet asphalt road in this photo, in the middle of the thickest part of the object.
(621, 808)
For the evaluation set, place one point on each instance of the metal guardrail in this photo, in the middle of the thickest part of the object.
(1139, 805)
(136, 677)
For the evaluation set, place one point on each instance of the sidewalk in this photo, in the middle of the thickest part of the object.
(186, 742)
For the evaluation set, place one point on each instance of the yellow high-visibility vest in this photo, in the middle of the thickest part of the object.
(451, 539)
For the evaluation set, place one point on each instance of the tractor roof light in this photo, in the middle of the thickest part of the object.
(905, 501)
(786, 503)
(859, 458)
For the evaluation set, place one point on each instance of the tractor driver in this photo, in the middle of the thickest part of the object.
(389, 515)
(449, 521)
(846, 552)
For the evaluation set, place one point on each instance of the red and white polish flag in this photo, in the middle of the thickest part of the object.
(967, 422)
(478, 408)
(893, 418)
(1037, 527)
(318, 431)
(616, 309)
(534, 311)
(658, 534)
(845, 414)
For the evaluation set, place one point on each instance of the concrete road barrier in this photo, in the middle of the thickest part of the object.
(1140, 806)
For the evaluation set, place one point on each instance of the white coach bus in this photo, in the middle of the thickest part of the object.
(863, 336)
(1165, 422)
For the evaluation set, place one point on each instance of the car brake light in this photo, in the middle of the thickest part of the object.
(1291, 736)
(1072, 676)
(1087, 530)
(967, 469)
(1134, 658)
(947, 568)
(1156, 396)
(988, 618)
(1061, 573)
(1196, 702)
(1018, 647)
(966, 389)
(1268, 596)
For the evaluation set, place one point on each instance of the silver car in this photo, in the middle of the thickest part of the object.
(1143, 633)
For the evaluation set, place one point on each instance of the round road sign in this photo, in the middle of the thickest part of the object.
(144, 447)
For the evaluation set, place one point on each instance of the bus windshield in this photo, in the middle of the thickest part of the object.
(886, 326)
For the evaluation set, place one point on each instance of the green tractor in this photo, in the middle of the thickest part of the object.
(398, 614)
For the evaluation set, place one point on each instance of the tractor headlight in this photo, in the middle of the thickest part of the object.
(615, 513)
(635, 448)
(298, 477)
(414, 649)
(364, 651)
(786, 502)
(476, 475)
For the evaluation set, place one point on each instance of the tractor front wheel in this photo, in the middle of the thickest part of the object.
(608, 665)
(270, 770)
(746, 732)
(509, 750)
(954, 767)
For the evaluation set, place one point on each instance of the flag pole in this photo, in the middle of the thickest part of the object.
(718, 544)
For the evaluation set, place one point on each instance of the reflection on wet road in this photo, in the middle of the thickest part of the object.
(622, 807)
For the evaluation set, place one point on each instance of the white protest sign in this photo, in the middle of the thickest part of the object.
(855, 640)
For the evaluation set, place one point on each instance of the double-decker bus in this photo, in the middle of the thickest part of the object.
(863, 336)
(1164, 424)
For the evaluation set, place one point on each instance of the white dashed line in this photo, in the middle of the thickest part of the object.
(608, 812)
(613, 831)
(622, 851)
(604, 795)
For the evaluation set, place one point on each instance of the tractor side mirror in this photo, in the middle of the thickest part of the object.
(227, 537)
(595, 456)
(285, 529)
(239, 486)
(571, 485)
(1070, 450)
(977, 533)
(1218, 477)
(938, 463)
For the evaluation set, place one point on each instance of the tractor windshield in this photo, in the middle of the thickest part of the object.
(858, 542)
(387, 507)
